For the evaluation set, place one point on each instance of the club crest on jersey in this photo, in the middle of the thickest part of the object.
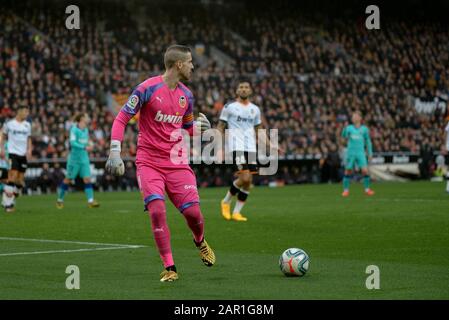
(182, 101)
(133, 101)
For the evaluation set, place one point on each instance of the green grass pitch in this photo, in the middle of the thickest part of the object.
(403, 229)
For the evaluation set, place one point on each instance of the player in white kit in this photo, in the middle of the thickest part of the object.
(242, 119)
(17, 132)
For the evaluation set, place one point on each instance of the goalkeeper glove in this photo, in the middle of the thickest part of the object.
(115, 165)
(201, 123)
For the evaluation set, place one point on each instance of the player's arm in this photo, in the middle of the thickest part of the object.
(223, 119)
(3, 140)
(344, 136)
(74, 143)
(446, 137)
(114, 164)
(369, 145)
(222, 125)
(29, 147)
(259, 125)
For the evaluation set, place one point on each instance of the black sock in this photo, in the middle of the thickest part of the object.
(198, 243)
(171, 268)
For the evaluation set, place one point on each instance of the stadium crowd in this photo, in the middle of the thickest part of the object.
(307, 76)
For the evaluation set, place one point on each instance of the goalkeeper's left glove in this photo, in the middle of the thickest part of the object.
(201, 123)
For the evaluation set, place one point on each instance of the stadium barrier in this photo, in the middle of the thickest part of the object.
(292, 169)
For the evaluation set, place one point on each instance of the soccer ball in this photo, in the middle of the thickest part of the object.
(294, 262)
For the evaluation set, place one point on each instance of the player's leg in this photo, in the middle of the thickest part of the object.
(88, 186)
(226, 201)
(348, 174)
(161, 234)
(363, 164)
(447, 182)
(182, 190)
(237, 159)
(72, 171)
(152, 184)
(245, 178)
(8, 197)
(62, 189)
(3, 178)
(20, 184)
(447, 175)
(20, 178)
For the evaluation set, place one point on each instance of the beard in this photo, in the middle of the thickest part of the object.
(185, 76)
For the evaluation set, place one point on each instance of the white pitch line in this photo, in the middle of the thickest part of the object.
(74, 242)
(67, 251)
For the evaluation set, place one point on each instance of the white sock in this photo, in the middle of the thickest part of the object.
(238, 206)
(8, 200)
(447, 186)
(228, 197)
(90, 200)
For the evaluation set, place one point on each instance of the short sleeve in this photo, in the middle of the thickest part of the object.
(224, 115)
(257, 120)
(5, 128)
(135, 101)
(187, 119)
(344, 132)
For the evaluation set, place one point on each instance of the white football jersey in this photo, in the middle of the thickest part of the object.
(241, 120)
(18, 133)
(447, 136)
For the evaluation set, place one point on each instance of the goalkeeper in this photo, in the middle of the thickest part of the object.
(166, 106)
(358, 140)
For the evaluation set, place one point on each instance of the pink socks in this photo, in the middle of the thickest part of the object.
(161, 232)
(195, 221)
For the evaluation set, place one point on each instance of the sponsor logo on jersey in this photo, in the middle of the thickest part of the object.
(182, 101)
(241, 119)
(133, 101)
(24, 132)
(189, 186)
(167, 118)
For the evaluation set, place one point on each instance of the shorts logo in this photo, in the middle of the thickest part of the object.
(182, 101)
(133, 101)
(189, 186)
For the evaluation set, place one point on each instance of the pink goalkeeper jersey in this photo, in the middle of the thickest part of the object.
(162, 111)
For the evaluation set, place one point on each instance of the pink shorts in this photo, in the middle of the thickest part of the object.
(178, 182)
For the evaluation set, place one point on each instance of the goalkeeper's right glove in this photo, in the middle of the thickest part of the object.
(115, 165)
